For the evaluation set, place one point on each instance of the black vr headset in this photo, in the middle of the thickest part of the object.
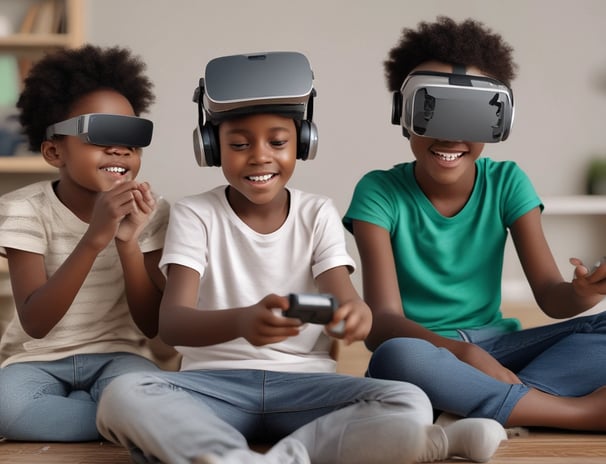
(239, 85)
(453, 106)
(106, 129)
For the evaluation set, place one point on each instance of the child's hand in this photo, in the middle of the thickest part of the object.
(134, 222)
(260, 326)
(356, 318)
(589, 281)
(110, 209)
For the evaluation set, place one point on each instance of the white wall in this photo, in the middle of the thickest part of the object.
(560, 90)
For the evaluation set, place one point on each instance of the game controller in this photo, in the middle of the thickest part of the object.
(315, 308)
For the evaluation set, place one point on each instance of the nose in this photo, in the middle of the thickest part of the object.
(115, 150)
(260, 153)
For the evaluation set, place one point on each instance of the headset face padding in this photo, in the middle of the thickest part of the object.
(208, 152)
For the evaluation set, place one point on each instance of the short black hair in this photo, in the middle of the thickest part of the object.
(59, 79)
(468, 43)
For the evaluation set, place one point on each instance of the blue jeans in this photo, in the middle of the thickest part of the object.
(176, 416)
(564, 359)
(57, 400)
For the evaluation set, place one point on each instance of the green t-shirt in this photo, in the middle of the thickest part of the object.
(449, 268)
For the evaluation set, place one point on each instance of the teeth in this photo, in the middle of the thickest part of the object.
(263, 178)
(448, 156)
(115, 169)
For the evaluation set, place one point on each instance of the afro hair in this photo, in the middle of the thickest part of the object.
(467, 43)
(58, 80)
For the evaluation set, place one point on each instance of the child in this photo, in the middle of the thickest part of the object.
(431, 236)
(82, 250)
(231, 255)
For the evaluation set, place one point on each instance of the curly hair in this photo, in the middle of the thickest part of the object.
(58, 80)
(469, 43)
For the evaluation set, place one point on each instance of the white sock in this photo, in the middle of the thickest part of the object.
(474, 438)
(436, 445)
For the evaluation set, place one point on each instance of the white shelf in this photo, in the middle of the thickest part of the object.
(574, 205)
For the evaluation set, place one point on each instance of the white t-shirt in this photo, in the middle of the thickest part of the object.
(98, 321)
(238, 267)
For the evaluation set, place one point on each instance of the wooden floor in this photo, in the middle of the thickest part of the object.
(537, 447)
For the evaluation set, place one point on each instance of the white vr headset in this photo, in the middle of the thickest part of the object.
(239, 85)
(453, 106)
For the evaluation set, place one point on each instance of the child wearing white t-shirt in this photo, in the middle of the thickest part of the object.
(231, 257)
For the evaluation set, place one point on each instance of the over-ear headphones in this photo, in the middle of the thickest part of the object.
(238, 85)
(206, 135)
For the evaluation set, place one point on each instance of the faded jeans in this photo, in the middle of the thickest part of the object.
(566, 359)
(172, 417)
(57, 400)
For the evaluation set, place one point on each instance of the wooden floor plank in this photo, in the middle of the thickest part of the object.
(62, 453)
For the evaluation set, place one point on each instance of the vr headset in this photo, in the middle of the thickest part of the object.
(106, 129)
(453, 106)
(240, 85)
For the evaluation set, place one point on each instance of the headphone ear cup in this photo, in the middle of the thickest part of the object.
(210, 155)
(307, 140)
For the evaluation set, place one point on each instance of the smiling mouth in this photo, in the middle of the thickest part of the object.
(261, 179)
(448, 156)
(115, 170)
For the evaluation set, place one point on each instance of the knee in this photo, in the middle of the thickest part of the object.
(127, 388)
(413, 399)
(399, 358)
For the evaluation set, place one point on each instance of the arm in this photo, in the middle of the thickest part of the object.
(381, 292)
(352, 309)
(181, 323)
(143, 281)
(557, 298)
(42, 301)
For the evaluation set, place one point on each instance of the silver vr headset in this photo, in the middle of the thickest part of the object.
(453, 106)
(106, 129)
(240, 85)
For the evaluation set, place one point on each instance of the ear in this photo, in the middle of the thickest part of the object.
(51, 153)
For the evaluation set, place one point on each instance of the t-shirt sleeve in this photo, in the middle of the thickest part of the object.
(519, 194)
(186, 240)
(21, 227)
(371, 202)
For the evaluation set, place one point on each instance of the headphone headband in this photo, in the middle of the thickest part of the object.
(239, 85)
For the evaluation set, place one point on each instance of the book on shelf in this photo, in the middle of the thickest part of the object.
(42, 17)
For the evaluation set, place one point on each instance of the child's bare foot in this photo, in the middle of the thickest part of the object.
(540, 409)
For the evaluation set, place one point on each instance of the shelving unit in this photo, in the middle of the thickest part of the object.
(33, 164)
(38, 43)
(32, 46)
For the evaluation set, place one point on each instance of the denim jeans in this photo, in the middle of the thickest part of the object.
(566, 359)
(172, 417)
(57, 400)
